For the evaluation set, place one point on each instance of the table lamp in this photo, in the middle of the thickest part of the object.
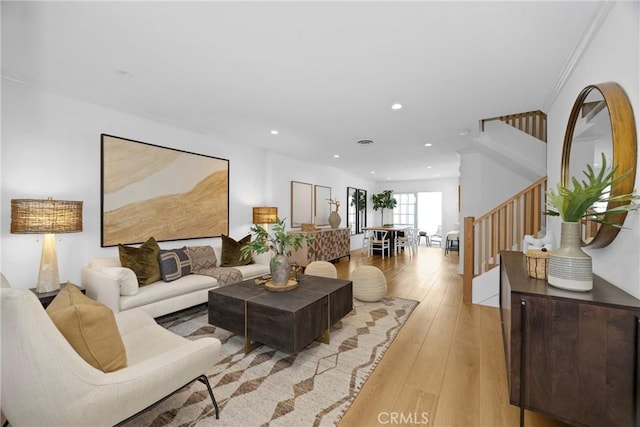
(265, 215)
(37, 216)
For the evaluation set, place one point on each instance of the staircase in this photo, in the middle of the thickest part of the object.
(533, 123)
(504, 227)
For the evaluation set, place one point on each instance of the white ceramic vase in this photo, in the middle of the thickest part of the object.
(569, 267)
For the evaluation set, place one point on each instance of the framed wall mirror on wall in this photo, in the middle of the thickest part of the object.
(356, 209)
(601, 122)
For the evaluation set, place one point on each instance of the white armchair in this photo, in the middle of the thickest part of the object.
(45, 382)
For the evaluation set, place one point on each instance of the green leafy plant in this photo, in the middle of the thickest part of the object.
(572, 205)
(359, 200)
(384, 200)
(278, 240)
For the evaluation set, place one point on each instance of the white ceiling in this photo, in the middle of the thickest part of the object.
(324, 74)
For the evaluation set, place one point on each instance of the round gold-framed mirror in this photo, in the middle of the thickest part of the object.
(601, 121)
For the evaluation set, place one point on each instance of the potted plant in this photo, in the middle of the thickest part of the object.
(281, 243)
(569, 267)
(382, 201)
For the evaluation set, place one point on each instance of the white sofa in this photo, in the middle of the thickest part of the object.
(117, 289)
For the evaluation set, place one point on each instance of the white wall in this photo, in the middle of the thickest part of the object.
(283, 170)
(51, 147)
(613, 55)
(485, 183)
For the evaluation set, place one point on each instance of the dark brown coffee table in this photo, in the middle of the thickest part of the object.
(286, 321)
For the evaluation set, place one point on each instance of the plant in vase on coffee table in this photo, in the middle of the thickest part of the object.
(281, 243)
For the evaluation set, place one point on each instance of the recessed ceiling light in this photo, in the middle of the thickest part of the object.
(336, 156)
(428, 167)
(372, 172)
(274, 132)
(428, 144)
(124, 73)
(396, 106)
(14, 77)
(365, 142)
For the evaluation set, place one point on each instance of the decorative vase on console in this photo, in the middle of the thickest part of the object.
(569, 267)
(334, 217)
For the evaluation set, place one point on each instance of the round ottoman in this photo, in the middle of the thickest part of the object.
(369, 283)
(322, 269)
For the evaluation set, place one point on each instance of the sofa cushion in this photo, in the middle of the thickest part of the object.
(174, 263)
(264, 259)
(142, 260)
(231, 256)
(224, 275)
(90, 328)
(126, 278)
(163, 291)
(202, 258)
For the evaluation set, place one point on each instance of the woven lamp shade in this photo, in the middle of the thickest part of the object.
(265, 215)
(45, 216)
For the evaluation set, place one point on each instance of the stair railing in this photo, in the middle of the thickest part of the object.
(503, 228)
(533, 123)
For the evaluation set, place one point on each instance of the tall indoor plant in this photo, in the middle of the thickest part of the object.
(281, 243)
(569, 267)
(384, 200)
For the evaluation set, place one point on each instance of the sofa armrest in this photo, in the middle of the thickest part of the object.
(102, 288)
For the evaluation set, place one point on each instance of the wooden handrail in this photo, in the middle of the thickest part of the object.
(533, 123)
(503, 228)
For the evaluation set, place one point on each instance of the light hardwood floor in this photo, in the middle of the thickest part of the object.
(446, 366)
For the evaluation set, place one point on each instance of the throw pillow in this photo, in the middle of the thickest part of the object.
(174, 263)
(127, 280)
(202, 258)
(90, 327)
(142, 260)
(231, 252)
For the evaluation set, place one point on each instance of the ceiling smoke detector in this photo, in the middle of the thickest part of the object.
(365, 142)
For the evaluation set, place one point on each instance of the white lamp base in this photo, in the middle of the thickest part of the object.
(48, 277)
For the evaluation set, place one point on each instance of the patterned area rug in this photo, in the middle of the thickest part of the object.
(271, 388)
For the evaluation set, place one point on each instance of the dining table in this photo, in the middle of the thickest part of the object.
(393, 233)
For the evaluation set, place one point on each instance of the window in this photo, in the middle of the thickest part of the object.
(404, 214)
(421, 210)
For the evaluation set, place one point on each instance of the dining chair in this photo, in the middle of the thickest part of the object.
(415, 240)
(405, 241)
(379, 240)
(436, 237)
(366, 238)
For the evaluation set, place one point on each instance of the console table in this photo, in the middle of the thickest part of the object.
(329, 244)
(572, 356)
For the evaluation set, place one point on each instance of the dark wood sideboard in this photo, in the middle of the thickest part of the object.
(572, 356)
